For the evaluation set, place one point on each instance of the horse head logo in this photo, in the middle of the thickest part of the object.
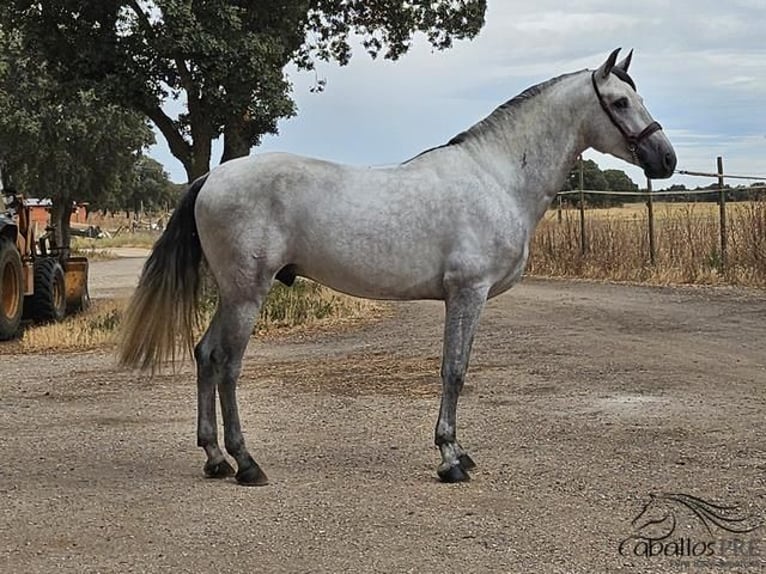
(663, 512)
(660, 515)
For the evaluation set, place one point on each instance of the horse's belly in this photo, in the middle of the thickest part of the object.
(381, 280)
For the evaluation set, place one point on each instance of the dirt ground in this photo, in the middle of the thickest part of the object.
(582, 400)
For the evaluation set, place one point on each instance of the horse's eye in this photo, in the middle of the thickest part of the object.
(621, 104)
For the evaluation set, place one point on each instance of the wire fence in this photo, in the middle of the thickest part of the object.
(720, 190)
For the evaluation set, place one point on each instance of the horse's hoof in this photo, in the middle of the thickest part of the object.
(218, 469)
(454, 473)
(252, 476)
(466, 462)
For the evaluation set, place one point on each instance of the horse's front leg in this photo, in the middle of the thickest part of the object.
(463, 308)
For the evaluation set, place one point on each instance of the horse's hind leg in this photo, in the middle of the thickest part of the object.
(219, 361)
(464, 307)
(216, 465)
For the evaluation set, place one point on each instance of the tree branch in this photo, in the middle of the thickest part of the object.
(179, 147)
(143, 18)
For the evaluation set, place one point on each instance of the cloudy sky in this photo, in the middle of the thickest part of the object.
(700, 66)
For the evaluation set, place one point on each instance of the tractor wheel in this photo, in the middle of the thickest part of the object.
(11, 290)
(48, 301)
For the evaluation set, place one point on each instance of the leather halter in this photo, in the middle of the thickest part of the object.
(633, 139)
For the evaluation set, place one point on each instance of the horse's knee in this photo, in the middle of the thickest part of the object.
(209, 356)
(453, 377)
(203, 351)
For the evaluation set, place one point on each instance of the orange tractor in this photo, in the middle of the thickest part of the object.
(39, 280)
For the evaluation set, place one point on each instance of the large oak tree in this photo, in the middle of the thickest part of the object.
(225, 58)
(60, 143)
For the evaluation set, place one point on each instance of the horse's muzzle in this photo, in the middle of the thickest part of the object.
(656, 156)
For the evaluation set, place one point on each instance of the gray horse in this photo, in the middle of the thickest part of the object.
(453, 224)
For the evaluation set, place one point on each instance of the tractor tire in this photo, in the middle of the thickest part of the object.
(48, 301)
(11, 290)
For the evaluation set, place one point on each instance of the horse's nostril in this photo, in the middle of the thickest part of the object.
(669, 161)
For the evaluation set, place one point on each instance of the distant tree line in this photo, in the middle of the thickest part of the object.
(596, 179)
(737, 193)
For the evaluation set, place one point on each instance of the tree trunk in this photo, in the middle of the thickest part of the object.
(194, 156)
(236, 140)
(61, 211)
(200, 158)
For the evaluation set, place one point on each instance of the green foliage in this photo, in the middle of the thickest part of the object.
(146, 188)
(302, 303)
(386, 26)
(597, 180)
(618, 180)
(305, 303)
(59, 143)
(107, 321)
(593, 177)
(224, 57)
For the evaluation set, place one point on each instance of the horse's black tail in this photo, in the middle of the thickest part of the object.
(163, 308)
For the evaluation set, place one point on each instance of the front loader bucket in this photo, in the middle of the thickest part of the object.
(76, 281)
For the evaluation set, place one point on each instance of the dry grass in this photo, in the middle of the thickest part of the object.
(662, 210)
(687, 245)
(89, 330)
(126, 239)
(305, 305)
(119, 227)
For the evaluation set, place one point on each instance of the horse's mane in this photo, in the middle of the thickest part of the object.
(503, 111)
(509, 109)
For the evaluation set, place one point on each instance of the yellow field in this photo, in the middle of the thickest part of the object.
(662, 210)
(687, 240)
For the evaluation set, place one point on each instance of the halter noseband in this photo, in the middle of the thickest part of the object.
(632, 139)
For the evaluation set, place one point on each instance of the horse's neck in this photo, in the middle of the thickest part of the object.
(532, 147)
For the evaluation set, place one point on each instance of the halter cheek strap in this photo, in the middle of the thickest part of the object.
(633, 139)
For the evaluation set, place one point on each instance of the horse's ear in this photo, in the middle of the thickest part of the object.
(625, 63)
(606, 68)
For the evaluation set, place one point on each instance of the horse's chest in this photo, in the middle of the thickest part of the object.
(511, 260)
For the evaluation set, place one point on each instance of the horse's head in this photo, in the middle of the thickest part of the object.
(622, 126)
(659, 516)
(656, 519)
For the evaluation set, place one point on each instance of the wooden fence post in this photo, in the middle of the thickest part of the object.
(722, 213)
(583, 238)
(650, 210)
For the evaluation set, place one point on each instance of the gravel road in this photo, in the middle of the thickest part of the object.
(582, 399)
